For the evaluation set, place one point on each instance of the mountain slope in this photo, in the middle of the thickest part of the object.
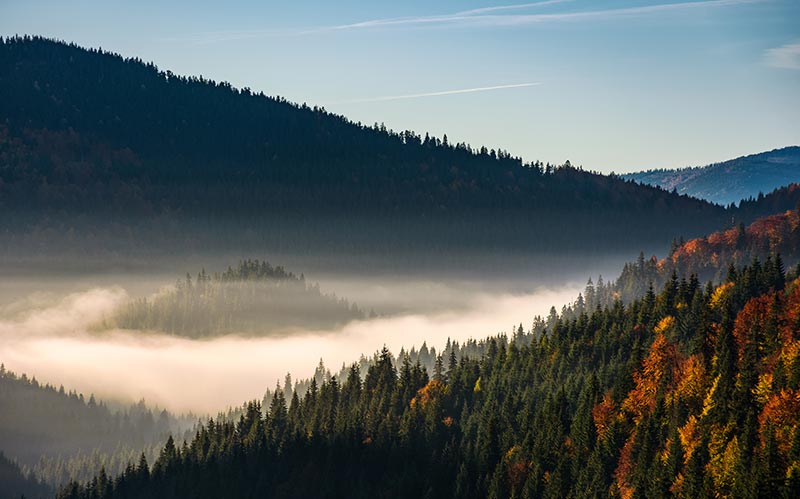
(37, 419)
(60, 435)
(730, 181)
(94, 143)
(691, 392)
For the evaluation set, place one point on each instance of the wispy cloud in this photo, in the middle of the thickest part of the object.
(443, 92)
(491, 16)
(445, 18)
(488, 16)
(519, 6)
(785, 57)
(456, 17)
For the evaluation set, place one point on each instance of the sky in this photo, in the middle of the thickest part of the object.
(612, 85)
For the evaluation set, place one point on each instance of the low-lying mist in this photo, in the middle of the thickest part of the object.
(53, 338)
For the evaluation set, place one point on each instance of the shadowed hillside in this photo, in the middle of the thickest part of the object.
(14, 484)
(61, 435)
(115, 155)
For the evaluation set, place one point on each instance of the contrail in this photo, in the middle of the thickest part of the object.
(518, 6)
(485, 17)
(494, 16)
(435, 94)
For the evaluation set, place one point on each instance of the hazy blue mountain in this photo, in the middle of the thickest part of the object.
(729, 181)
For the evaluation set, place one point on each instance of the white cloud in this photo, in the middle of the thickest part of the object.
(785, 57)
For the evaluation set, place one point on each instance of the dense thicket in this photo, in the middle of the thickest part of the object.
(85, 132)
(691, 392)
(252, 298)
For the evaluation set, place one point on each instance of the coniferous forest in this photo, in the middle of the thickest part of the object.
(234, 264)
(689, 392)
(171, 162)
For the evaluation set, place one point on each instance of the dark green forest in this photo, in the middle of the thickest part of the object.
(690, 392)
(110, 154)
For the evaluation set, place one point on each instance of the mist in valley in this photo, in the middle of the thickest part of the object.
(49, 329)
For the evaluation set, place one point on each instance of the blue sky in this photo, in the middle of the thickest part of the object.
(612, 85)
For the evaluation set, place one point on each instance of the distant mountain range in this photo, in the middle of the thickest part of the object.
(730, 181)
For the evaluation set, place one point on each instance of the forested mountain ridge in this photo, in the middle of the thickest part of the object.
(730, 181)
(91, 143)
(691, 392)
(253, 298)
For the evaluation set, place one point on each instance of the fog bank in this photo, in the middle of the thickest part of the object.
(52, 340)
